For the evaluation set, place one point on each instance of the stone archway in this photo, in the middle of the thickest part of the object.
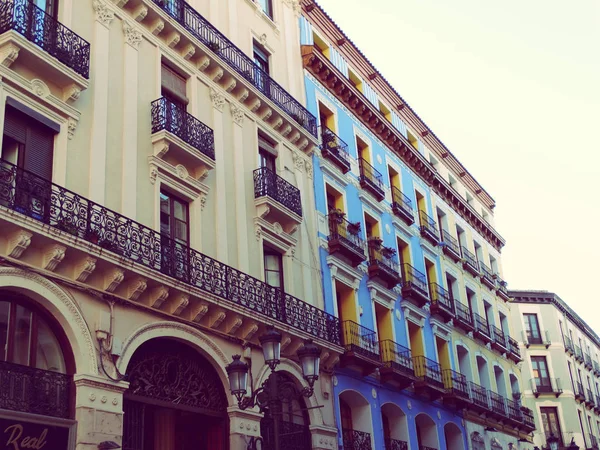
(453, 436)
(427, 434)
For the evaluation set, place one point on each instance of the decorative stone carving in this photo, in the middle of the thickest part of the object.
(71, 127)
(104, 14)
(133, 36)
(294, 5)
(199, 312)
(263, 39)
(218, 100)
(84, 269)
(254, 105)
(136, 287)
(230, 84)
(234, 325)
(140, 13)
(277, 122)
(287, 129)
(308, 165)
(182, 172)
(153, 173)
(249, 332)
(266, 114)
(173, 39)
(298, 161)
(157, 26)
(71, 93)
(9, 54)
(157, 297)
(244, 93)
(40, 88)
(188, 51)
(217, 74)
(203, 63)
(217, 319)
(258, 233)
(237, 114)
(113, 279)
(18, 243)
(203, 198)
(179, 303)
(53, 256)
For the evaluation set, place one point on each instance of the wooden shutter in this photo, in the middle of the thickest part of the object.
(174, 84)
(15, 125)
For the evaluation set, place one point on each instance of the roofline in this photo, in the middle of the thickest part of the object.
(399, 104)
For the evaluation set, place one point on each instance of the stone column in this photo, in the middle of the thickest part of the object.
(99, 411)
(243, 425)
(133, 38)
(241, 193)
(100, 60)
(220, 192)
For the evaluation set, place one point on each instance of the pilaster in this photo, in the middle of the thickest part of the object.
(241, 192)
(220, 193)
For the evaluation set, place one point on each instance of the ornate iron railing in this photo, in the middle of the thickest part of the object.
(340, 228)
(370, 174)
(441, 297)
(428, 225)
(355, 440)
(428, 370)
(378, 257)
(34, 391)
(268, 183)
(481, 324)
(396, 356)
(463, 313)
(497, 402)
(593, 442)
(499, 336)
(514, 347)
(49, 34)
(479, 395)
(395, 444)
(450, 241)
(26, 193)
(487, 273)
(170, 117)
(596, 368)
(332, 145)
(549, 386)
(456, 383)
(360, 339)
(415, 278)
(401, 201)
(425, 447)
(470, 258)
(235, 58)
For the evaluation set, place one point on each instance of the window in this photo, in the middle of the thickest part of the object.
(540, 374)
(267, 7)
(26, 337)
(326, 117)
(173, 86)
(355, 79)
(273, 267)
(267, 154)
(413, 140)
(174, 230)
(550, 423)
(345, 415)
(532, 329)
(571, 375)
(50, 7)
(261, 58)
(321, 45)
(385, 111)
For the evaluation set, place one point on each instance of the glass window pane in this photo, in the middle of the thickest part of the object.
(180, 210)
(181, 231)
(48, 352)
(272, 262)
(22, 336)
(4, 313)
(273, 279)
(164, 203)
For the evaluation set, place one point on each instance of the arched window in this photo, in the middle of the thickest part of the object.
(346, 415)
(477, 442)
(26, 337)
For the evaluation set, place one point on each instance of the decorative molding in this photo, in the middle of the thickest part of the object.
(18, 243)
(139, 13)
(218, 100)
(136, 287)
(84, 269)
(188, 52)
(53, 256)
(113, 278)
(298, 161)
(9, 54)
(104, 14)
(203, 63)
(157, 26)
(40, 88)
(133, 36)
(295, 6)
(157, 296)
(71, 127)
(173, 39)
(153, 173)
(198, 313)
(71, 93)
(237, 113)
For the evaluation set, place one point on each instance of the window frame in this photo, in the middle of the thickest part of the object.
(172, 230)
(271, 251)
(528, 330)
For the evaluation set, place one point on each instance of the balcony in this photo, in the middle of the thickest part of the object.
(589, 399)
(470, 263)
(569, 348)
(514, 352)
(182, 137)
(578, 353)
(356, 440)
(397, 367)
(237, 61)
(480, 401)
(500, 342)
(395, 444)
(450, 246)
(343, 240)
(597, 405)
(596, 368)
(588, 361)
(441, 302)
(428, 228)
(29, 34)
(402, 206)
(530, 338)
(35, 391)
(487, 277)
(482, 328)
(334, 149)
(383, 266)
(414, 285)
(276, 199)
(371, 180)
(501, 289)
(457, 389)
(548, 386)
(362, 348)
(514, 412)
(498, 406)
(429, 381)
(591, 442)
(464, 317)
(528, 419)
(109, 234)
(579, 392)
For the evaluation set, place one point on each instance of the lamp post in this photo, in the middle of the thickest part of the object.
(273, 391)
(552, 442)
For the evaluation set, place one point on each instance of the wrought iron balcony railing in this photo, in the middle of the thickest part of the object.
(268, 183)
(479, 395)
(371, 179)
(528, 419)
(344, 237)
(428, 227)
(335, 149)
(536, 338)
(514, 348)
(499, 337)
(588, 360)
(441, 300)
(395, 444)
(589, 397)
(27, 19)
(414, 282)
(464, 316)
(170, 117)
(402, 206)
(34, 391)
(514, 410)
(481, 325)
(596, 368)
(450, 245)
(578, 353)
(501, 288)
(470, 261)
(356, 440)
(579, 391)
(540, 386)
(569, 348)
(498, 404)
(396, 356)
(486, 275)
(42, 200)
(428, 370)
(235, 58)
(360, 340)
(384, 266)
(455, 383)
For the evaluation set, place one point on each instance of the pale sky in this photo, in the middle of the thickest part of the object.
(513, 90)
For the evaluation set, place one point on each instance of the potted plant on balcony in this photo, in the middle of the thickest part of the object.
(336, 215)
(375, 242)
(388, 252)
(92, 236)
(354, 228)
(214, 46)
(64, 224)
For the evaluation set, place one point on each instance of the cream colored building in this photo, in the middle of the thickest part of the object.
(181, 171)
(560, 368)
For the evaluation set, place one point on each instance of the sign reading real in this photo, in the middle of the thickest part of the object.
(21, 435)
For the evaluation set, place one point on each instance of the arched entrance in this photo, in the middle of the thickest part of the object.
(426, 432)
(395, 427)
(294, 431)
(175, 400)
(355, 418)
(454, 437)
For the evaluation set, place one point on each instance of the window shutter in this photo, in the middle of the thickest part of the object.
(15, 125)
(39, 152)
(173, 83)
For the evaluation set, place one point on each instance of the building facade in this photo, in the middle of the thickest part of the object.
(156, 214)
(411, 266)
(561, 371)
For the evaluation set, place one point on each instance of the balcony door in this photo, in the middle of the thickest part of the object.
(541, 374)
(532, 328)
(174, 231)
(550, 423)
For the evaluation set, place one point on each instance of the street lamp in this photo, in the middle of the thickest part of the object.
(274, 391)
(552, 442)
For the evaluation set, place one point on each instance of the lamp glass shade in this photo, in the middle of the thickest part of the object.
(271, 346)
(237, 372)
(553, 442)
(310, 359)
